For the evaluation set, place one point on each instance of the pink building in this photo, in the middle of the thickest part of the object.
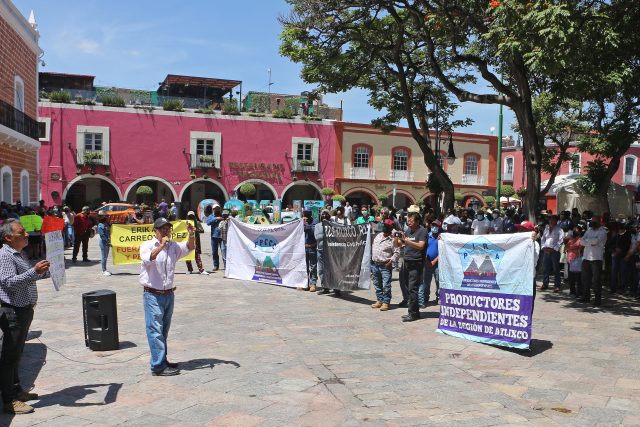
(513, 169)
(94, 153)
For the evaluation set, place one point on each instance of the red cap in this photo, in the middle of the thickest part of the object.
(525, 226)
(389, 222)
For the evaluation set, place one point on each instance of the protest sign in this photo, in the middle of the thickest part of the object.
(346, 255)
(270, 254)
(54, 244)
(315, 206)
(51, 223)
(486, 288)
(127, 238)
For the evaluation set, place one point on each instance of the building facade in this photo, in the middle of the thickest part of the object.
(95, 153)
(19, 145)
(371, 163)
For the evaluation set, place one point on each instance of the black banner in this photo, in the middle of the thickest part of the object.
(343, 249)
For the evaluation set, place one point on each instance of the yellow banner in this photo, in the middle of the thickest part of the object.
(127, 238)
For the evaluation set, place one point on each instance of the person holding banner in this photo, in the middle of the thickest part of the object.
(318, 233)
(18, 297)
(383, 254)
(310, 250)
(413, 241)
(159, 257)
(430, 264)
(341, 217)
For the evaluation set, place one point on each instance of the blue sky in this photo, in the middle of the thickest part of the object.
(135, 44)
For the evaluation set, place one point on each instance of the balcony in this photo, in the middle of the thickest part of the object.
(92, 157)
(400, 175)
(508, 176)
(201, 161)
(18, 121)
(300, 165)
(362, 173)
(472, 180)
(630, 180)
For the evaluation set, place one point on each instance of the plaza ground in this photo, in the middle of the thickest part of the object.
(258, 355)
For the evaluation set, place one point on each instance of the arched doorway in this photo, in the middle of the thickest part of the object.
(91, 191)
(360, 197)
(160, 188)
(472, 201)
(264, 191)
(6, 186)
(199, 189)
(302, 190)
(403, 200)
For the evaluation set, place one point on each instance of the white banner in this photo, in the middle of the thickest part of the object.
(55, 255)
(267, 253)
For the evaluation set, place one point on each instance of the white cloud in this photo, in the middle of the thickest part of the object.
(88, 46)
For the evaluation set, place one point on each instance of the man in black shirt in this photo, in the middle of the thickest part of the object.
(414, 241)
(621, 268)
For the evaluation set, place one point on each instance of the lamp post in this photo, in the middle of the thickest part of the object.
(499, 174)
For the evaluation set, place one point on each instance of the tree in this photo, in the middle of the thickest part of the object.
(507, 190)
(341, 49)
(511, 46)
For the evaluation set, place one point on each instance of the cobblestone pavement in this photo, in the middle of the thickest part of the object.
(258, 355)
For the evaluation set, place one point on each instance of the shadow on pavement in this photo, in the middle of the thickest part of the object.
(351, 297)
(195, 364)
(616, 304)
(126, 344)
(71, 395)
(537, 347)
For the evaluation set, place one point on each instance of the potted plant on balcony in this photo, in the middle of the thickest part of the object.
(207, 159)
(172, 105)
(306, 162)
(92, 157)
(339, 197)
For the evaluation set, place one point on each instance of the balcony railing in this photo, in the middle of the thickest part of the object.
(17, 120)
(92, 157)
(630, 179)
(300, 165)
(400, 175)
(362, 173)
(472, 180)
(201, 161)
(507, 176)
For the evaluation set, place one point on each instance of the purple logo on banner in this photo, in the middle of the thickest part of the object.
(499, 317)
(480, 260)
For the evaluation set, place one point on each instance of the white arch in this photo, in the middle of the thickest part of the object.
(25, 188)
(258, 181)
(299, 183)
(3, 197)
(87, 175)
(213, 181)
(151, 178)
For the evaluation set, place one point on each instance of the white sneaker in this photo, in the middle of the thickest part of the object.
(189, 272)
(106, 273)
(205, 272)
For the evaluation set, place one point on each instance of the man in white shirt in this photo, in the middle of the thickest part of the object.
(480, 225)
(348, 211)
(552, 239)
(159, 256)
(593, 240)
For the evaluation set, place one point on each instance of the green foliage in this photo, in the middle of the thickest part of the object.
(83, 101)
(420, 203)
(230, 107)
(382, 197)
(339, 197)
(489, 200)
(144, 190)
(327, 191)
(207, 159)
(60, 96)
(282, 113)
(260, 102)
(522, 191)
(90, 157)
(172, 105)
(596, 173)
(205, 111)
(507, 191)
(140, 97)
(307, 162)
(458, 197)
(112, 101)
(247, 189)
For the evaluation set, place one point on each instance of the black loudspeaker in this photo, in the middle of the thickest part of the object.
(100, 320)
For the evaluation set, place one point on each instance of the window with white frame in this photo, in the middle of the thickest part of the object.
(630, 165)
(207, 144)
(18, 97)
(24, 187)
(204, 147)
(401, 159)
(574, 166)
(508, 166)
(471, 165)
(44, 129)
(361, 157)
(92, 138)
(306, 149)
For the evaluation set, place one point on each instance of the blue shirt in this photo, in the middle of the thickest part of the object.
(214, 221)
(103, 232)
(432, 247)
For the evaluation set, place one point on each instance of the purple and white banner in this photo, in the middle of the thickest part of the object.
(486, 288)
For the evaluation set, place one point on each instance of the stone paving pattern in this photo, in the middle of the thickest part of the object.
(258, 355)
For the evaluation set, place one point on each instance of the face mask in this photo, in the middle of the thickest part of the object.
(480, 217)
(435, 230)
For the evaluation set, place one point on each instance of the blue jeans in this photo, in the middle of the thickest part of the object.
(382, 282)
(158, 310)
(104, 250)
(551, 263)
(621, 272)
(223, 251)
(424, 291)
(68, 235)
(215, 244)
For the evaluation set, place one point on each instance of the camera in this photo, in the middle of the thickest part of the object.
(397, 234)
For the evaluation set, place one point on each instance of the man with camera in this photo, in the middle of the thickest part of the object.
(159, 257)
(413, 241)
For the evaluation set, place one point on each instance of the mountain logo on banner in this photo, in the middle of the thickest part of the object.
(267, 259)
(480, 261)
